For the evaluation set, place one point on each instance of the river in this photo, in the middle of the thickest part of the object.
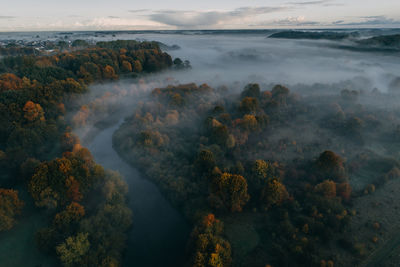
(159, 233)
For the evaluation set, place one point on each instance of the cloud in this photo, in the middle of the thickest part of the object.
(324, 3)
(115, 23)
(295, 21)
(309, 3)
(370, 21)
(289, 21)
(210, 18)
(138, 10)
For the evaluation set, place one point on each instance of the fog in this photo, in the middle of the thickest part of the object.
(234, 60)
(310, 67)
(225, 59)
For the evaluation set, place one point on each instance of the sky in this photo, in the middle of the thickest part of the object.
(50, 15)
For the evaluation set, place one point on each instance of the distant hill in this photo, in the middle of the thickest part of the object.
(314, 35)
(385, 41)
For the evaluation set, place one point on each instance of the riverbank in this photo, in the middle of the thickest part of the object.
(159, 233)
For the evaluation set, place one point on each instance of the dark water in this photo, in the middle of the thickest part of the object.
(159, 233)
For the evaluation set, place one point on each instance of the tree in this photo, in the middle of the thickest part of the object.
(33, 112)
(73, 187)
(109, 73)
(208, 246)
(68, 141)
(279, 91)
(261, 172)
(220, 134)
(344, 191)
(9, 81)
(274, 193)
(251, 90)
(249, 105)
(206, 160)
(231, 190)
(73, 213)
(280, 94)
(327, 188)
(330, 165)
(10, 206)
(249, 123)
(73, 250)
(126, 66)
(137, 66)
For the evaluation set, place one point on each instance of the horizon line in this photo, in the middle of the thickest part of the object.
(238, 29)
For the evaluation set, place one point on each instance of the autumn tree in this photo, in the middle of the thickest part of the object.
(109, 73)
(10, 207)
(126, 66)
(249, 123)
(73, 189)
(230, 192)
(73, 250)
(208, 246)
(137, 66)
(33, 112)
(52, 185)
(261, 172)
(274, 193)
(327, 189)
(73, 213)
(248, 105)
(9, 81)
(68, 140)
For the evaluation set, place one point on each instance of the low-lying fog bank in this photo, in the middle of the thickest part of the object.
(309, 68)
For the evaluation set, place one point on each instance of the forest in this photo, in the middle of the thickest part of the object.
(265, 174)
(44, 168)
(269, 177)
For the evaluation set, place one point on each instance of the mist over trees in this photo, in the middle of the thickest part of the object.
(266, 174)
(274, 155)
(84, 204)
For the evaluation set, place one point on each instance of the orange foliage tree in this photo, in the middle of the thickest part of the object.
(9, 81)
(109, 73)
(33, 112)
